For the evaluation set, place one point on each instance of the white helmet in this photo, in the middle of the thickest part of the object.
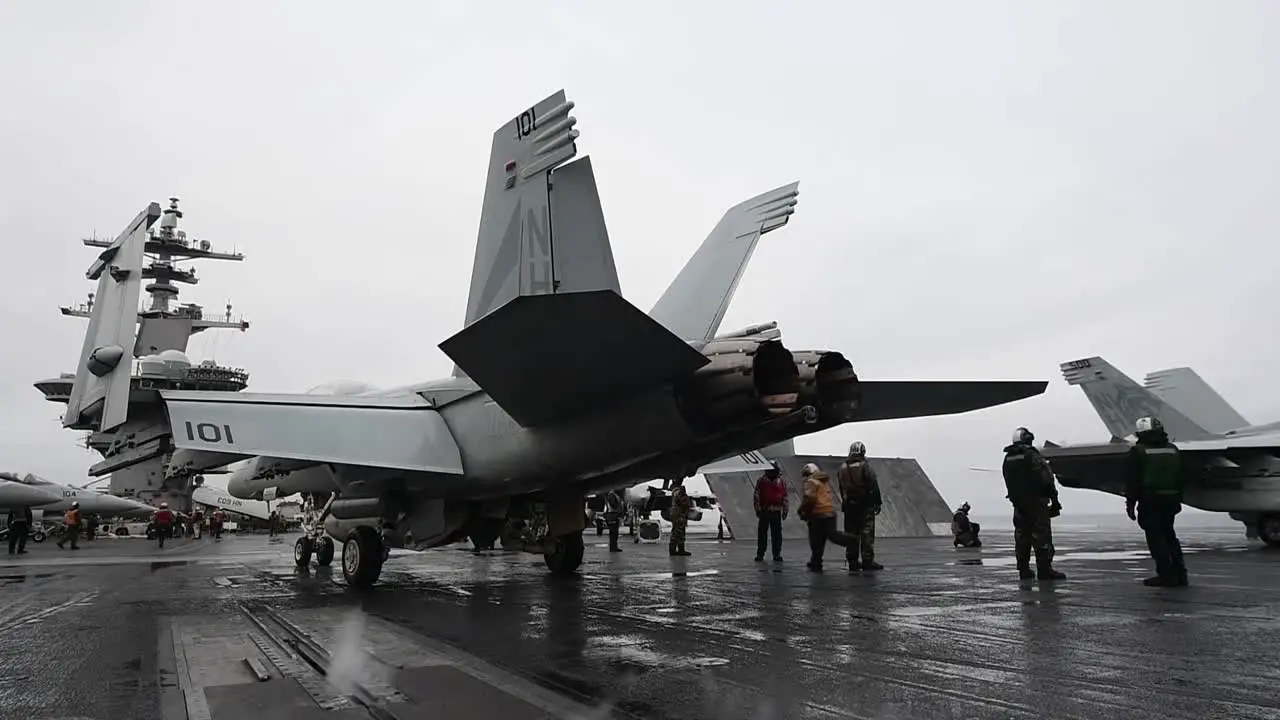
(1023, 435)
(164, 506)
(1147, 424)
(857, 449)
(809, 469)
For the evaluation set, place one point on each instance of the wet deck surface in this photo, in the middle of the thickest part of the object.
(122, 630)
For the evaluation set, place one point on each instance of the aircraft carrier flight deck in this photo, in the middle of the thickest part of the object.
(232, 630)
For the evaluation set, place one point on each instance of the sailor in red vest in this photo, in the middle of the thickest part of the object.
(771, 508)
(163, 521)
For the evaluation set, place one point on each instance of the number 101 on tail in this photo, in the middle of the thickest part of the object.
(210, 433)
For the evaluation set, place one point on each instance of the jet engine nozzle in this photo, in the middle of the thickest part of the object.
(747, 380)
(828, 383)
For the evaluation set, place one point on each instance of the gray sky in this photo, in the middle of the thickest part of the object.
(987, 189)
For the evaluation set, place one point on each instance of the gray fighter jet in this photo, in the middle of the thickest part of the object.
(1233, 464)
(56, 497)
(561, 389)
(16, 494)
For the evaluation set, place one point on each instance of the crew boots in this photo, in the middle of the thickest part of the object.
(1024, 563)
(677, 550)
(1044, 568)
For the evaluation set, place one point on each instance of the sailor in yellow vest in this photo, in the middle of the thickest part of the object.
(818, 509)
(71, 527)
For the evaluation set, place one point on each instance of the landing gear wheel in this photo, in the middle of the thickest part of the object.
(38, 536)
(362, 556)
(567, 555)
(1269, 530)
(302, 552)
(324, 551)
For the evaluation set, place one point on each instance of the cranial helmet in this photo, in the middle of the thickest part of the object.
(75, 505)
(164, 505)
(773, 469)
(857, 449)
(809, 469)
(1148, 424)
(1023, 435)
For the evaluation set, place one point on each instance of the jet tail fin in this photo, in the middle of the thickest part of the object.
(1120, 401)
(695, 303)
(537, 236)
(1184, 389)
(101, 388)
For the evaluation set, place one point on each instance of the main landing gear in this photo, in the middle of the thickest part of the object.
(565, 557)
(306, 546)
(362, 557)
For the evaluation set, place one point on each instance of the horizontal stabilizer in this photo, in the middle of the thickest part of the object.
(891, 399)
(550, 358)
(694, 305)
(748, 462)
(101, 387)
(403, 433)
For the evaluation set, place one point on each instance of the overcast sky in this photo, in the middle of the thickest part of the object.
(987, 189)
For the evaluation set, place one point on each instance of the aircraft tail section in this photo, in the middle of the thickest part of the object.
(695, 303)
(101, 388)
(1184, 389)
(1120, 401)
(539, 237)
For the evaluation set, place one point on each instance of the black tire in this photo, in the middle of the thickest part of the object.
(567, 556)
(362, 556)
(1269, 530)
(302, 552)
(324, 551)
(38, 536)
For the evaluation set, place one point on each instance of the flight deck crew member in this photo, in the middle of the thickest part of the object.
(163, 520)
(1034, 497)
(19, 525)
(819, 511)
(71, 527)
(614, 507)
(681, 507)
(771, 506)
(860, 490)
(1154, 488)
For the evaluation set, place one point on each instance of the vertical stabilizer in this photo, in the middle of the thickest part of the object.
(1120, 401)
(1185, 390)
(538, 236)
(517, 252)
(695, 303)
(101, 388)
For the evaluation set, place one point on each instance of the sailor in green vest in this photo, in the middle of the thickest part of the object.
(1034, 497)
(1154, 490)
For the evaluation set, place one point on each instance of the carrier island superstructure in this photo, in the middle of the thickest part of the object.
(137, 454)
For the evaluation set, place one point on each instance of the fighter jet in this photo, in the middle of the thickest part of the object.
(16, 494)
(561, 388)
(58, 498)
(219, 498)
(1234, 464)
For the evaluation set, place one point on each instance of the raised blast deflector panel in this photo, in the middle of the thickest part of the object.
(890, 399)
(911, 502)
(694, 305)
(513, 249)
(550, 358)
(103, 374)
(403, 433)
(580, 241)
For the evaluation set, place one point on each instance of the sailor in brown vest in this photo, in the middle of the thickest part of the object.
(860, 491)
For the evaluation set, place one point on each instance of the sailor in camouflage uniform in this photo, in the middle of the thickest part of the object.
(1034, 497)
(681, 506)
(860, 492)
